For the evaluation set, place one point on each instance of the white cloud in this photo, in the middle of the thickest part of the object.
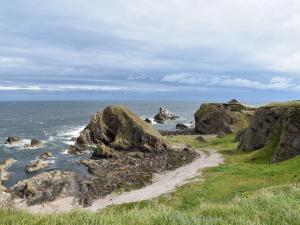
(276, 83)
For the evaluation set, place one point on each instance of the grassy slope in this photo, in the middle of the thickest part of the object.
(244, 190)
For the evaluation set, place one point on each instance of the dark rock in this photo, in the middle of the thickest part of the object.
(47, 186)
(164, 115)
(213, 118)
(12, 140)
(103, 151)
(35, 143)
(239, 135)
(181, 126)
(45, 155)
(274, 124)
(147, 120)
(234, 101)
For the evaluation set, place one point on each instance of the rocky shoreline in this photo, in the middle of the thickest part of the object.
(126, 151)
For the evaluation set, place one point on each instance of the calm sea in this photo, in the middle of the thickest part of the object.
(55, 123)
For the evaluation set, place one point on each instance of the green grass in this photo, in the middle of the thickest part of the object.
(245, 189)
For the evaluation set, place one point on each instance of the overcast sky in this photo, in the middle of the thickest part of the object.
(158, 49)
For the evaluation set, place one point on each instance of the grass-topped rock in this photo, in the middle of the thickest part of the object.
(277, 125)
(119, 128)
(213, 118)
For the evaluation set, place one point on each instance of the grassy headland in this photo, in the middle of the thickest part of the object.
(246, 189)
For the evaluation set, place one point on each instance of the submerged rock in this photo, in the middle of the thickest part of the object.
(213, 118)
(34, 143)
(278, 124)
(12, 140)
(164, 115)
(47, 186)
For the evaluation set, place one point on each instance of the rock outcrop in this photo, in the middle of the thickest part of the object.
(164, 115)
(128, 151)
(279, 124)
(47, 186)
(12, 140)
(39, 163)
(34, 143)
(214, 118)
(120, 129)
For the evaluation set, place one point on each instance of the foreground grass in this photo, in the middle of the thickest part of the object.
(246, 189)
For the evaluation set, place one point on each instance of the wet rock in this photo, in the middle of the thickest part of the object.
(279, 125)
(213, 118)
(36, 165)
(147, 120)
(12, 140)
(181, 126)
(47, 186)
(164, 115)
(45, 155)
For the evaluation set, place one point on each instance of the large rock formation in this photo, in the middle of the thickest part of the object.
(128, 151)
(164, 115)
(279, 124)
(119, 128)
(213, 118)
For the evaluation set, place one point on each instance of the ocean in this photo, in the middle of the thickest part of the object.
(56, 123)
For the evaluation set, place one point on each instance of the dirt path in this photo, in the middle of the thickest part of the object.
(162, 183)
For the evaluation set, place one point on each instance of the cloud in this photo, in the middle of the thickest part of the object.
(276, 83)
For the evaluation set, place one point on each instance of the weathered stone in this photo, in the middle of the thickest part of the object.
(119, 128)
(214, 118)
(47, 186)
(103, 151)
(3, 169)
(276, 124)
(5, 199)
(45, 155)
(164, 115)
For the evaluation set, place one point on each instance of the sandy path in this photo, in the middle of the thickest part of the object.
(162, 183)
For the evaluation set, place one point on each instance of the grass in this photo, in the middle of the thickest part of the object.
(246, 189)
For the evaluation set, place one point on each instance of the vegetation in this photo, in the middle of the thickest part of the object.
(246, 189)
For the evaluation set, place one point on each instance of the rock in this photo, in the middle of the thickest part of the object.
(73, 139)
(119, 128)
(200, 139)
(164, 115)
(3, 169)
(77, 149)
(103, 151)
(35, 143)
(213, 118)
(147, 120)
(45, 155)
(12, 140)
(181, 126)
(47, 186)
(36, 165)
(277, 124)
(5, 199)
(234, 101)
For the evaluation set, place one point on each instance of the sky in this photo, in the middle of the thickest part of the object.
(191, 50)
